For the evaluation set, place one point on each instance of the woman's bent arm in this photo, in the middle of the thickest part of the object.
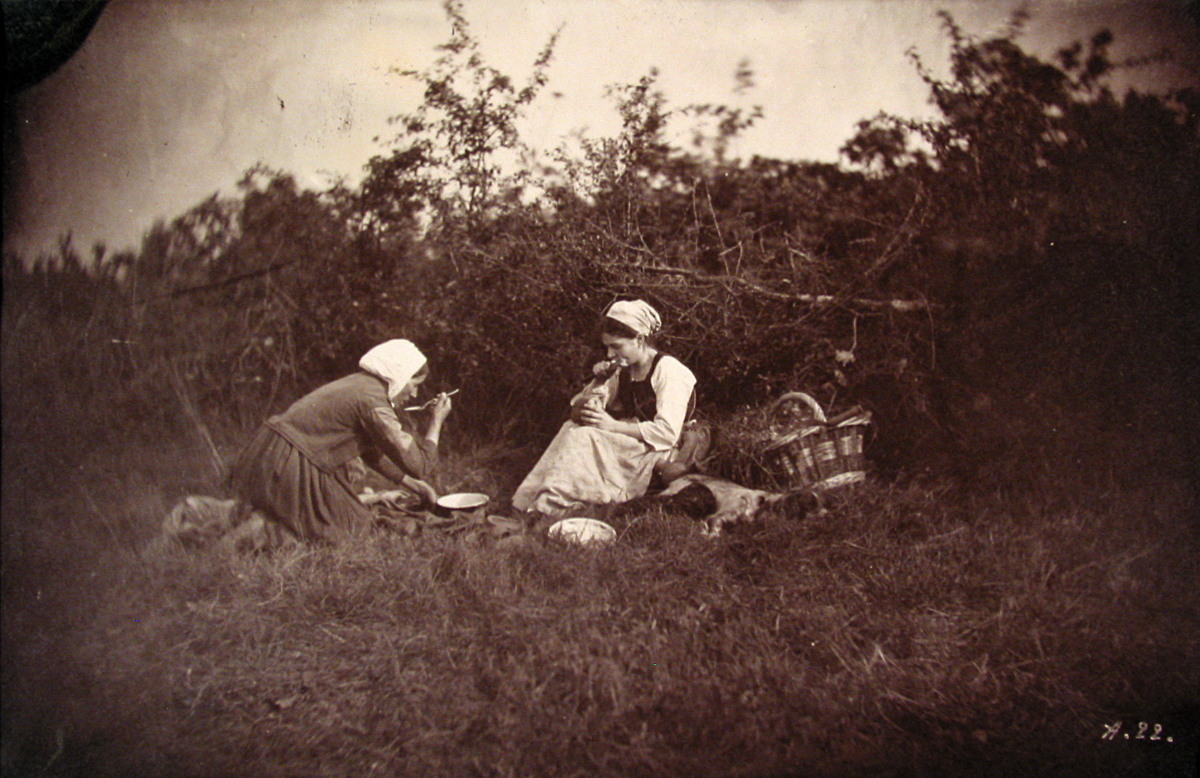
(418, 456)
(673, 384)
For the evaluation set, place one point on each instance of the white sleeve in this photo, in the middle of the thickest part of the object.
(673, 384)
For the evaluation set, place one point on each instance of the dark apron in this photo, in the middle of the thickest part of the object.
(636, 399)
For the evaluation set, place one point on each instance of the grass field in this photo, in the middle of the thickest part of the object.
(915, 630)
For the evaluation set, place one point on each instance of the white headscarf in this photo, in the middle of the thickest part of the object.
(637, 315)
(395, 362)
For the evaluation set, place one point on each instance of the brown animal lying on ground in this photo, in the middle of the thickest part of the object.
(719, 502)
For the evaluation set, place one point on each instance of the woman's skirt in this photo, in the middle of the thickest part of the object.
(587, 465)
(273, 476)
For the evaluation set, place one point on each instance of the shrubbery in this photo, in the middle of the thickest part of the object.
(1011, 305)
(1016, 288)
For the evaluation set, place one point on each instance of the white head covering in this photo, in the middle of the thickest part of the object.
(395, 362)
(637, 315)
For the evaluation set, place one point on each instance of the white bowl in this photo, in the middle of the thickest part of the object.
(463, 501)
(583, 531)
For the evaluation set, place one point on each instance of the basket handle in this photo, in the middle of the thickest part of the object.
(801, 396)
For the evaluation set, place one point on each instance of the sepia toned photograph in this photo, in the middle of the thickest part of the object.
(600, 389)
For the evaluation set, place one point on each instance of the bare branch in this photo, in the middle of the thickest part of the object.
(902, 306)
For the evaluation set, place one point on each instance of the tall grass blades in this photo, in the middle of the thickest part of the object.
(1009, 288)
(906, 633)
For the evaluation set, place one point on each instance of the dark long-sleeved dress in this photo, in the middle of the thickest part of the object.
(296, 469)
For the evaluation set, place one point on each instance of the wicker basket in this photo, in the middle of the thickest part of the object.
(809, 451)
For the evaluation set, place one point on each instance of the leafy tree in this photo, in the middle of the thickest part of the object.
(977, 280)
(1059, 248)
(450, 154)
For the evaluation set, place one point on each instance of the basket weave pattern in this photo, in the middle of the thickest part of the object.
(808, 451)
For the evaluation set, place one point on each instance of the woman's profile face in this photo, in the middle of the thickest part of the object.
(410, 389)
(625, 349)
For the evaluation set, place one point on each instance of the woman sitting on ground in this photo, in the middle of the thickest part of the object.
(299, 469)
(608, 451)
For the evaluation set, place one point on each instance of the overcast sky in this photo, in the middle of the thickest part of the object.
(169, 101)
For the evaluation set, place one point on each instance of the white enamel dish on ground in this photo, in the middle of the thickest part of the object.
(463, 501)
(583, 531)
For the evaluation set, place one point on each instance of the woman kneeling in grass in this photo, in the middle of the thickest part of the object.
(608, 451)
(298, 468)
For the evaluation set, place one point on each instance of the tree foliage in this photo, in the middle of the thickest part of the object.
(450, 153)
(1062, 248)
(1019, 268)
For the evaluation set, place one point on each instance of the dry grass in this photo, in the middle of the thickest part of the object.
(738, 447)
(914, 631)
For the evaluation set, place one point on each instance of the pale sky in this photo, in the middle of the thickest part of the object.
(169, 101)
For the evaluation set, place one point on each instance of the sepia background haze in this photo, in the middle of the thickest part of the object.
(169, 101)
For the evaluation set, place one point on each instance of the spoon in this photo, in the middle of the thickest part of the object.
(430, 401)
